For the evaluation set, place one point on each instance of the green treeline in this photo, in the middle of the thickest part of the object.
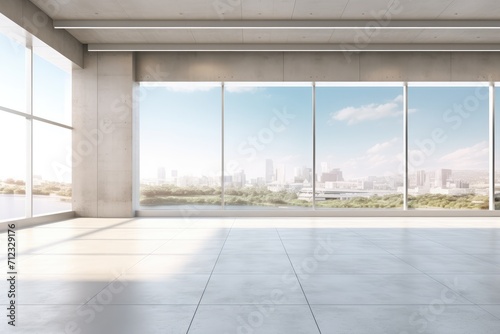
(261, 196)
(18, 187)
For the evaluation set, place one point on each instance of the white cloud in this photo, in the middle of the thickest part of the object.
(240, 89)
(472, 157)
(181, 87)
(369, 112)
(380, 147)
(380, 159)
(398, 99)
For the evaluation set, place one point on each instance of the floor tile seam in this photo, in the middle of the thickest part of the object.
(122, 273)
(444, 285)
(208, 280)
(490, 313)
(443, 245)
(301, 287)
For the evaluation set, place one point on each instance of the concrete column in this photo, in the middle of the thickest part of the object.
(102, 136)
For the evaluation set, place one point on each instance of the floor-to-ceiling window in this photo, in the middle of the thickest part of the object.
(252, 146)
(180, 148)
(35, 127)
(448, 147)
(359, 147)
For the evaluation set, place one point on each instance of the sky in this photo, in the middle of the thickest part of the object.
(449, 128)
(358, 129)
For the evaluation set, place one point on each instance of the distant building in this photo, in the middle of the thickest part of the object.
(301, 174)
(161, 175)
(333, 175)
(325, 167)
(280, 174)
(442, 177)
(269, 171)
(239, 179)
(421, 178)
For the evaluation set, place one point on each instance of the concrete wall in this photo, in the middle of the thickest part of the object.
(102, 135)
(318, 66)
(34, 21)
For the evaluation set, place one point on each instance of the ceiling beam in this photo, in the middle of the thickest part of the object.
(221, 47)
(277, 24)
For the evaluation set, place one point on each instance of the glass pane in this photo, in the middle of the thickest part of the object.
(180, 146)
(13, 74)
(359, 146)
(497, 148)
(448, 148)
(51, 87)
(13, 166)
(268, 147)
(51, 169)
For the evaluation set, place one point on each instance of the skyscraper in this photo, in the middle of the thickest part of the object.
(281, 174)
(442, 176)
(421, 178)
(269, 171)
(162, 175)
(325, 167)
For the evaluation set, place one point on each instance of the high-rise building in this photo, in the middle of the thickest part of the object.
(161, 175)
(441, 178)
(280, 174)
(421, 178)
(269, 171)
(239, 179)
(325, 167)
(332, 176)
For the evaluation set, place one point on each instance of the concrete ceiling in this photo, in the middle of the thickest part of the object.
(220, 10)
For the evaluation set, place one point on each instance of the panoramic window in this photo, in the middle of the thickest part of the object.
(448, 148)
(359, 147)
(265, 143)
(268, 147)
(180, 146)
(39, 75)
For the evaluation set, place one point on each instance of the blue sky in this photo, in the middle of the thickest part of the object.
(180, 129)
(280, 120)
(358, 129)
(461, 115)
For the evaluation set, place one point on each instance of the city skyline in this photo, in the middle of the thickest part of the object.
(341, 112)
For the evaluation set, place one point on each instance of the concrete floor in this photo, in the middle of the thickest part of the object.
(262, 275)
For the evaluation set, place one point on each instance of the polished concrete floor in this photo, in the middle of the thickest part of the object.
(261, 275)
